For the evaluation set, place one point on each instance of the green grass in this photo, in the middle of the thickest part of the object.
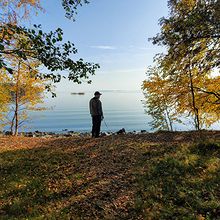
(124, 178)
(182, 184)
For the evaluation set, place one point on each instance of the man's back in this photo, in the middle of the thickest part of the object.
(95, 107)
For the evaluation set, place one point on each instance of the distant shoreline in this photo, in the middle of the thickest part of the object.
(106, 91)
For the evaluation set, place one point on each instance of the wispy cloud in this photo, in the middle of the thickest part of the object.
(137, 70)
(104, 47)
(142, 48)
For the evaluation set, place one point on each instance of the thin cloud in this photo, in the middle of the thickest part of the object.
(104, 47)
(142, 48)
(143, 70)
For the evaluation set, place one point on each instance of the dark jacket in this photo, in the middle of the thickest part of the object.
(95, 106)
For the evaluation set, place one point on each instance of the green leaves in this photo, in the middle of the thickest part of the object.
(71, 6)
(54, 40)
(10, 70)
(48, 49)
(191, 22)
(1, 47)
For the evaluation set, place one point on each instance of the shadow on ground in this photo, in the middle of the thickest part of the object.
(123, 177)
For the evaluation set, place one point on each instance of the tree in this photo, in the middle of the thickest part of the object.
(168, 98)
(23, 50)
(23, 91)
(190, 21)
(22, 85)
(160, 99)
(14, 11)
(191, 34)
(71, 6)
(45, 47)
(192, 24)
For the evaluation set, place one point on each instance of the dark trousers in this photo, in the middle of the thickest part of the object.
(96, 125)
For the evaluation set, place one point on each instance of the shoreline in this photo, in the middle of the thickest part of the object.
(66, 133)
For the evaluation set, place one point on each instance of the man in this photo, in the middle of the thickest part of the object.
(96, 112)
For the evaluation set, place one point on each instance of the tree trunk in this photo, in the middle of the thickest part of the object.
(195, 109)
(12, 123)
(169, 120)
(17, 102)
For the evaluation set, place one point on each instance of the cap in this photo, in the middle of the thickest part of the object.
(97, 93)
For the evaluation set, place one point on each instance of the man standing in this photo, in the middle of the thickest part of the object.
(96, 112)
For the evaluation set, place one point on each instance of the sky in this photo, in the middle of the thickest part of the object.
(112, 33)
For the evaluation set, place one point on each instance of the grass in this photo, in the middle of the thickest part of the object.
(151, 176)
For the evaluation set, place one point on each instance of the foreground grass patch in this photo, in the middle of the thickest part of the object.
(182, 184)
(128, 177)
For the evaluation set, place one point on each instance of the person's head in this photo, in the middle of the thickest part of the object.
(97, 94)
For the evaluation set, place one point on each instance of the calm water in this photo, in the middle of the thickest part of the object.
(122, 109)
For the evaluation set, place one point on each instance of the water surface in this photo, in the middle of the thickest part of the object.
(122, 109)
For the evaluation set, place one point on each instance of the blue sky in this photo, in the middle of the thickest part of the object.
(113, 33)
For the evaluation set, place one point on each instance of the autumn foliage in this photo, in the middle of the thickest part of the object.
(188, 72)
(23, 50)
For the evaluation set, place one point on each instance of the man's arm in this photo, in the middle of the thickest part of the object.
(101, 110)
(90, 107)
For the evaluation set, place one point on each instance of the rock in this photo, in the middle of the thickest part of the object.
(8, 133)
(67, 135)
(22, 134)
(103, 134)
(39, 134)
(47, 136)
(51, 133)
(143, 131)
(83, 135)
(108, 133)
(30, 134)
(122, 131)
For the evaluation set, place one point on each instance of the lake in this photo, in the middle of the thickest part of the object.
(122, 109)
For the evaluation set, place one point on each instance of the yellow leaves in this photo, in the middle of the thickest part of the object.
(26, 2)
(17, 10)
(185, 6)
(166, 27)
(180, 82)
(189, 3)
(20, 91)
(4, 97)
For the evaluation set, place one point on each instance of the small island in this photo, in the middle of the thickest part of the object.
(77, 93)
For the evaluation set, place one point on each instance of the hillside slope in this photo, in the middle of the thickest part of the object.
(149, 176)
